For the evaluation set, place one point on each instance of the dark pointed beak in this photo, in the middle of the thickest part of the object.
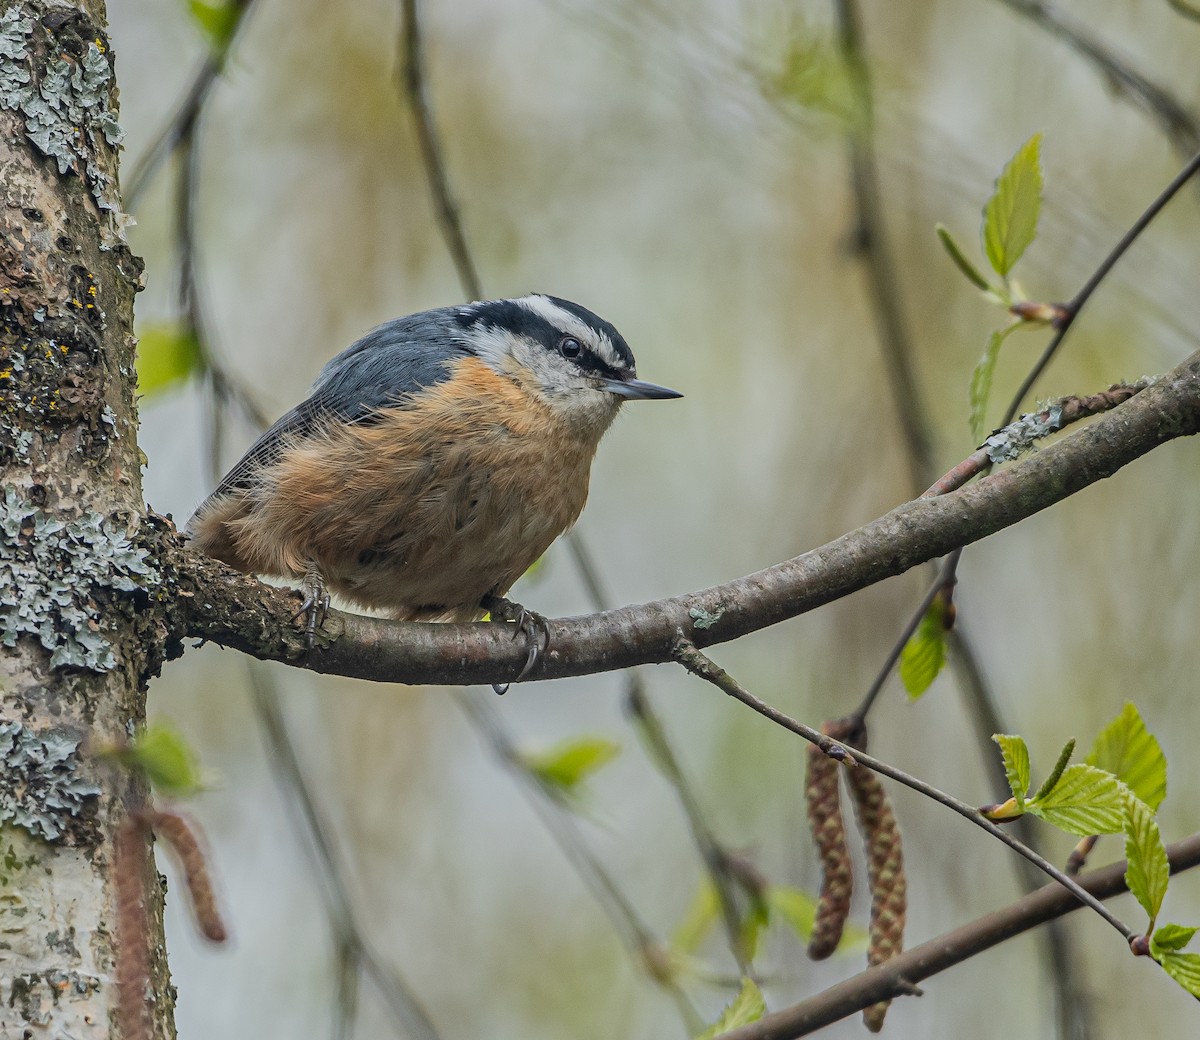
(639, 390)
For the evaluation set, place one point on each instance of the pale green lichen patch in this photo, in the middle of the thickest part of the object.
(69, 112)
(55, 573)
(40, 783)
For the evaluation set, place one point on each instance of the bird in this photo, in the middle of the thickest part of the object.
(433, 462)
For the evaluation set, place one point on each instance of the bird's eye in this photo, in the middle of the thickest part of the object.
(569, 347)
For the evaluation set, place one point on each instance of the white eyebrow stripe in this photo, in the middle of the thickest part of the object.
(573, 326)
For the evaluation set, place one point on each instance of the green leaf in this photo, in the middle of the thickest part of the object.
(168, 761)
(1016, 765)
(567, 764)
(1064, 756)
(1148, 869)
(166, 355)
(981, 382)
(795, 906)
(960, 259)
(1010, 217)
(797, 909)
(701, 915)
(758, 916)
(1170, 938)
(748, 1006)
(1129, 751)
(1086, 800)
(1184, 968)
(924, 655)
(218, 22)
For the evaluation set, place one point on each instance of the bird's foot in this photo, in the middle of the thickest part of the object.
(315, 605)
(533, 625)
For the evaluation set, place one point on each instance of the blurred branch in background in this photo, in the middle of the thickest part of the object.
(181, 126)
(354, 953)
(1174, 118)
(445, 207)
(719, 861)
(649, 953)
(892, 330)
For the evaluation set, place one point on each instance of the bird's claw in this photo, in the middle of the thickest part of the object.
(532, 624)
(315, 606)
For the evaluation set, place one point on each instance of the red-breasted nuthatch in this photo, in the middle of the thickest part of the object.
(434, 461)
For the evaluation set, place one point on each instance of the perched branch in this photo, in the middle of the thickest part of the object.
(215, 603)
(898, 976)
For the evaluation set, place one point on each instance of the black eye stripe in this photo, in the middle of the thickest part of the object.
(592, 365)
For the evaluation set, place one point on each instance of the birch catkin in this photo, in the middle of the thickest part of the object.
(885, 870)
(821, 791)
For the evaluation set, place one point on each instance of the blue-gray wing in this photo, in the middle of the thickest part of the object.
(379, 371)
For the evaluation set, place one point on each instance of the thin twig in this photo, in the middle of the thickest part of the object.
(897, 977)
(1008, 442)
(444, 205)
(1174, 118)
(1185, 10)
(703, 666)
(719, 862)
(635, 934)
(926, 601)
(872, 244)
(1072, 309)
(183, 120)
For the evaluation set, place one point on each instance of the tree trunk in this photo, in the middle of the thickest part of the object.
(74, 604)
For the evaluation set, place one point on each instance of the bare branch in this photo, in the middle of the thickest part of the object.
(1173, 117)
(704, 667)
(897, 977)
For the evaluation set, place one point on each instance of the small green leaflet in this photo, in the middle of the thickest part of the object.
(969, 270)
(166, 355)
(924, 655)
(981, 382)
(1129, 751)
(754, 923)
(1010, 217)
(168, 761)
(701, 915)
(1148, 870)
(1170, 938)
(797, 908)
(1016, 765)
(217, 21)
(811, 74)
(1184, 968)
(567, 764)
(1086, 800)
(748, 1006)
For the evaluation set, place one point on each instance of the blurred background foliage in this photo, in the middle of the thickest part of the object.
(681, 168)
